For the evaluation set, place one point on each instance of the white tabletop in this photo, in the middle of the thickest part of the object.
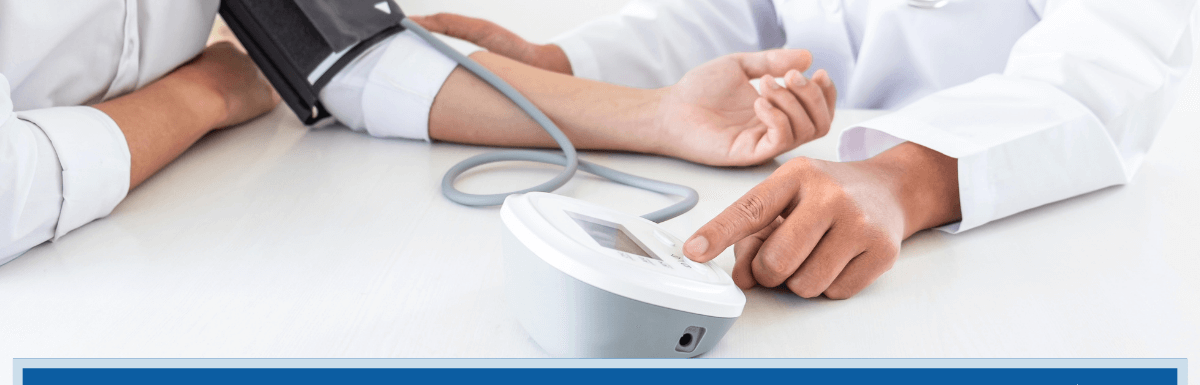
(273, 240)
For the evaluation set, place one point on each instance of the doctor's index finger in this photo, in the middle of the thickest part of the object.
(749, 214)
(775, 62)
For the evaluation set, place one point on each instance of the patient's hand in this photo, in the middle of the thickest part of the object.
(714, 116)
(495, 38)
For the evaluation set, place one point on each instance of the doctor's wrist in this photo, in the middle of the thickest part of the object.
(924, 182)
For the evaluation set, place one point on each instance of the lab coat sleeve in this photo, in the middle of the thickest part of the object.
(1080, 100)
(388, 91)
(653, 43)
(60, 168)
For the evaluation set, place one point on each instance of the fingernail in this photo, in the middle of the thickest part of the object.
(822, 76)
(696, 246)
(770, 82)
(799, 80)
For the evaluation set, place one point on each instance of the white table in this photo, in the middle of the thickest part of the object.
(273, 240)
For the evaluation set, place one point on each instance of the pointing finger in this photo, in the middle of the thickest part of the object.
(749, 214)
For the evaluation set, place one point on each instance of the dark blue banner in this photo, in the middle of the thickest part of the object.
(605, 376)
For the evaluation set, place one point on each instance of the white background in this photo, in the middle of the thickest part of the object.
(273, 240)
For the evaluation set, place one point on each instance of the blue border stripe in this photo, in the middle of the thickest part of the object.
(606, 376)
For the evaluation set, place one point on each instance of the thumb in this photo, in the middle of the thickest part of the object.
(775, 62)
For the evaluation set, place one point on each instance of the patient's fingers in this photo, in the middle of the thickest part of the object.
(812, 97)
(822, 78)
(774, 62)
(779, 130)
(801, 128)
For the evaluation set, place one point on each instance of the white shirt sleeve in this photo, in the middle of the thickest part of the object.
(1080, 100)
(652, 44)
(388, 91)
(60, 168)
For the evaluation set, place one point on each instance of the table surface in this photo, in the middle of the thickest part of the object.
(275, 240)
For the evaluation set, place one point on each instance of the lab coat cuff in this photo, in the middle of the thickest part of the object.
(1019, 144)
(398, 95)
(94, 158)
(581, 56)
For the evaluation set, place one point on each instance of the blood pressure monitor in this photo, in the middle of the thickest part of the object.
(588, 281)
(585, 281)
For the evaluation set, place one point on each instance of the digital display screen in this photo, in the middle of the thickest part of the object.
(610, 235)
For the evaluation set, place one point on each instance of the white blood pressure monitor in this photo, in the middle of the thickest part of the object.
(587, 281)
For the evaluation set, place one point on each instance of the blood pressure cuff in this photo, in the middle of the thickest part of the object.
(301, 44)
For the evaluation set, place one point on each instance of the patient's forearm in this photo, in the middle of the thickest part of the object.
(594, 115)
(161, 121)
(219, 88)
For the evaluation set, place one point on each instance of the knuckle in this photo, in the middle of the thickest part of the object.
(779, 117)
(781, 96)
(774, 264)
(822, 130)
(839, 202)
(749, 209)
(798, 164)
(861, 220)
(802, 290)
(811, 91)
(823, 126)
(889, 252)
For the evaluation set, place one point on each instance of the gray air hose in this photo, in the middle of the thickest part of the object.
(569, 159)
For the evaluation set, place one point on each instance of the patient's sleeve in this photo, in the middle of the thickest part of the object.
(389, 90)
(60, 168)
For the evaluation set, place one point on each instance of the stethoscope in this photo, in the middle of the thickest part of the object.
(927, 4)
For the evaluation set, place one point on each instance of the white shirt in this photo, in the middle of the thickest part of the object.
(63, 164)
(1039, 100)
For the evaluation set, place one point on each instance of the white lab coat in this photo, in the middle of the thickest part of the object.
(64, 164)
(1039, 100)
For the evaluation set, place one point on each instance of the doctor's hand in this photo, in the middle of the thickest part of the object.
(832, 228)
(497, 39)
(714, 116)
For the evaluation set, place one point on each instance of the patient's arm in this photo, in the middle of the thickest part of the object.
(217, 89)
(712, 116)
